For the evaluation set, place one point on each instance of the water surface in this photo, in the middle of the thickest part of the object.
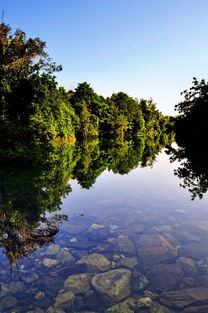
(133, 242)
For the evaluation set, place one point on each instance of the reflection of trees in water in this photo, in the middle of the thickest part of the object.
(120, 157)
(193, 169)
(28, 193)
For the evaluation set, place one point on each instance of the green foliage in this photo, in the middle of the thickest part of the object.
(195, 97)
(35, 111)
(192, 121)
(193, 169)
(32, 107)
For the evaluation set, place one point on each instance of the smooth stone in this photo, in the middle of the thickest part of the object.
(52, 249)
(126, 262)
(139, 281)
(189, 282)
(92, 301)
(130, 305)
(196, 309)
(83, 243)
(30, 277)
(97, 226)
(113, 286)
(135, 228)
(53, 309)
(8, 302)
(166, 276)
(186, 237)
(95, 234)
(194, 251)
(199, 225)
(181, 298)
(150, 294)
(202, 280)
(64, 300)
(39, 295)
(158, 308)
(16, 287)
(154, 249)
(79, 283)
(64, 256)
(188, 266)
(202, 266)
(125, 245)
(162, 228)
(95, 263)
(49, 262)
(36, 310)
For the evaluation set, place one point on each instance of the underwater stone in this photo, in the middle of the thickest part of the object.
(95, 263)
(79, 283)
(113, 286)
(64, 300)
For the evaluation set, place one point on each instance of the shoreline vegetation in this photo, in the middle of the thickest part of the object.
(35, 112)
(36, 115)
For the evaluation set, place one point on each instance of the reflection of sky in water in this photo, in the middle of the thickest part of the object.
(143, 217)
(142, 188)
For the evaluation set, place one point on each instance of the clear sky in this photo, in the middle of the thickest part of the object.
(146, 48)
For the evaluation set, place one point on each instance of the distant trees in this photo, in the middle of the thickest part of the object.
(34, 110)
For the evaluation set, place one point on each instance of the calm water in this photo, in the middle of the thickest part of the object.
(130, 243)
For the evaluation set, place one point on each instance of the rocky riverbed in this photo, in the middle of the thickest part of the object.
(109, 264)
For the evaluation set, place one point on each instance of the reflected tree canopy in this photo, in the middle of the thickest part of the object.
(29, 193)
(193, 169)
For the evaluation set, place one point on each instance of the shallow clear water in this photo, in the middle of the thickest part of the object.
(130, 236)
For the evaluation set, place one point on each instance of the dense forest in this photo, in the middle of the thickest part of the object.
(35, 111)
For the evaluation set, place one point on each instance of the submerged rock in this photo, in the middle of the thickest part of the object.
(64, 300)
(154, 249)
(30, 277)
(188, 265)
(130, 305)
(79, 283)
(196, 309)
(16, 287)
(53, 309)
(125, 245)
(46, 231)
(126, 262)
(166, 276)
(181, 298)
(8, 302)
(202, 266)
(139, 281)
(95, 263)
(49, 262)
(52, 249)
(92, 301)
(194, 251)
(113, 286)
(64, 256)
(135, 228)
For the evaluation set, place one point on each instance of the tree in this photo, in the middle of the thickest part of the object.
(22, 56)
(32, 107)
(194, 97)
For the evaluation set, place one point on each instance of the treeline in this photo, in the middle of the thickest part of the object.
(34, 110)
(191, 125)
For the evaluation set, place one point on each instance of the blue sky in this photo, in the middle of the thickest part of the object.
(147, 48)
